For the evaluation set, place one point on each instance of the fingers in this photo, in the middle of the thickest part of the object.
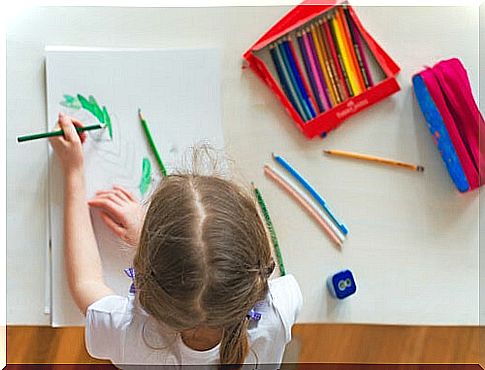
(82, 135)
(66, 124)
(128, 194)
(114, 226)
(77, 122)
(119, 197)
(120, 192)
(108, 206)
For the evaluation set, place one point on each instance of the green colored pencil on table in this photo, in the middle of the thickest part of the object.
(272, 232)
(152, 143)
(44, 135)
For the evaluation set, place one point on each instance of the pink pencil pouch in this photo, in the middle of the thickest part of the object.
(445, 97)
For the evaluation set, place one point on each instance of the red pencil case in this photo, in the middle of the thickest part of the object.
(326, 121)
(445, 97)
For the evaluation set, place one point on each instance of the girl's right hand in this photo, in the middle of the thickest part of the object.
(121, 212)
(69, 146)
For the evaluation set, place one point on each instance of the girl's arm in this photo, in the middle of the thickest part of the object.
(82, 261)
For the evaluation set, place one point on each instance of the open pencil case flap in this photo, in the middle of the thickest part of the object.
(445, 97)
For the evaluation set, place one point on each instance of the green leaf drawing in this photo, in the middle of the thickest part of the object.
(96, 109)
(70, 102)
(146, 176)
(92, 106)
(107, 121)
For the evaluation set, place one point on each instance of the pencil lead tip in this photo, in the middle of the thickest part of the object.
(420, 169)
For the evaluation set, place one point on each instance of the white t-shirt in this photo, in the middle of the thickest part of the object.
(118, 329)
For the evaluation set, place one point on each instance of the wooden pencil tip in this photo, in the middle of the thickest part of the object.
(273, 155)
(420, 168)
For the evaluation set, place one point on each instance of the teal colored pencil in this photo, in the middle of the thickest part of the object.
(289, 83)
(152, 143)
(271, 229)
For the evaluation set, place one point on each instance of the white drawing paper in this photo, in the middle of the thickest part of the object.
(178, 91)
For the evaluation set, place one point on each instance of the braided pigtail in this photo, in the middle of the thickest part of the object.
(234, 345)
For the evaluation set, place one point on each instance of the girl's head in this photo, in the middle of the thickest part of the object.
(204, 258)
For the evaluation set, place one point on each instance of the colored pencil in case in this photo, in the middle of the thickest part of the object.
(371, 158)
(302, 75)
(315, 71)
(44, 135)
(344, 51)
(321, 61)
(327, 57)
(350, 48)
(338, 53)
(272, 232)
(315, 195)
(281, 77)
(331, 46)
(331, 60)
(283, 182)
(311, 42)
(294, 81)
(359, 50)
(296, 71)
(153, 147)
(309, 72)
(294, 98)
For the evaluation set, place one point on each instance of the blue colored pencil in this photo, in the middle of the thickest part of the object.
(296, 102)
(308, 68)
(296, 74)
(281, 76)
(287, 65)
(281, 161)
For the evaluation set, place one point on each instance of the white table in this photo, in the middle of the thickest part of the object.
(413, 244)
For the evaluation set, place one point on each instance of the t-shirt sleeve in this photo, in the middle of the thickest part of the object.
(106, 321)
(287, 299)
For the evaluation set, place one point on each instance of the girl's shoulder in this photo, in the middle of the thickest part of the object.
(281, 307)
(286, 295)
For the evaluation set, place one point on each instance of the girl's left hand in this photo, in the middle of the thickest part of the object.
(121, 212)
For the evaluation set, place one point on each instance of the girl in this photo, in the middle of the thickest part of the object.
(202, 263)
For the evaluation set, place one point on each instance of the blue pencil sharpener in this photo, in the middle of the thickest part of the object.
(342, 284)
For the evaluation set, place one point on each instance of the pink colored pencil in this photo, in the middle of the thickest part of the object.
(313, 66)
(281, 181)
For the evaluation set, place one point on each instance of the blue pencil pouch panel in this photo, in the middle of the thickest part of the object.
(441, 137)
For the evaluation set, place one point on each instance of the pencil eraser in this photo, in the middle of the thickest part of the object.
(342, 284)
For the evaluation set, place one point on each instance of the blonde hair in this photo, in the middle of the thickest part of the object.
(204, 258)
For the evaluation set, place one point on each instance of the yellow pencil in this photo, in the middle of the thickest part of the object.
(371, 158)
(348, 45)
(347, 61)
(321, 59)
